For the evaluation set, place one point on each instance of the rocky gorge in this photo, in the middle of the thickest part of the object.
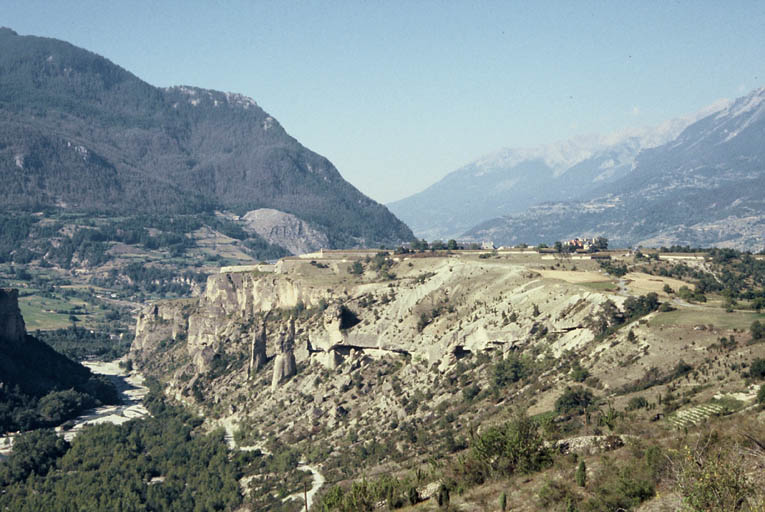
(311, 353)
(320, 316)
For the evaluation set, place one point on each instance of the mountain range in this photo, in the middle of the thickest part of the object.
(78, 132)
(692, 180)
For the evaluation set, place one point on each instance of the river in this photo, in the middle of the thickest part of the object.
(132, 392)
(131, 389)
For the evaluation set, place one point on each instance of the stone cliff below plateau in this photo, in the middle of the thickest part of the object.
(309, 317)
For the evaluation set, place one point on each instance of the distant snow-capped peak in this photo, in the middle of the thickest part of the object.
(562, 155)
(748, 103)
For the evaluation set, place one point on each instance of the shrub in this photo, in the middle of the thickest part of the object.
(413, 495)
(579, 374)
(757, 330)
(443, 496)
(356, 268)
(514, 447)
(509, 370)
(581, 474)
(757, 369)
(470, 392)
(557, 495)
(637, 402)
(712, 479)
(681, 369)
(635, 307)
(621, 488)
(574, 399)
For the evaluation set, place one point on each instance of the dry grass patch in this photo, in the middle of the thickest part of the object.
(575, 276)
(641, 284)
(706, 316)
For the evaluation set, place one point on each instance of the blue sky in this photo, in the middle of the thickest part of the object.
(398, 94)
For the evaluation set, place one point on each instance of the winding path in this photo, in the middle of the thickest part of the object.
(318, 479)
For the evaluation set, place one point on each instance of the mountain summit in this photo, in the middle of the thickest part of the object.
(511, 180)
(79, 132)
(704, 187)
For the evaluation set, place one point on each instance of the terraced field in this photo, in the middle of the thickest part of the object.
(694, 415)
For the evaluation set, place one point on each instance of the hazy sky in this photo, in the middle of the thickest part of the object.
(398, 94)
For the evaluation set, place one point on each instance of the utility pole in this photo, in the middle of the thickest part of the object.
(305, 495)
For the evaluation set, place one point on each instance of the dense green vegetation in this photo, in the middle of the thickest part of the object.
(365, 495)
(110, 467)
(79, 344)
(164, 462)
(737, 276)
(40, 387)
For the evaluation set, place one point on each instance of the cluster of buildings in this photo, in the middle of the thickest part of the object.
(581, 244)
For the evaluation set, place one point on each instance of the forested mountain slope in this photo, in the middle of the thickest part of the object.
(78, 132)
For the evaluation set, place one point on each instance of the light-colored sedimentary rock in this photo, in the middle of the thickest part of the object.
(285, 230)
(258, 350)
(470, 306)
(284, 362)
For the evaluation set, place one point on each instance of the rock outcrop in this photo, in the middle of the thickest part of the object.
(12, 328)
(249, 293)
(435, 311)
(258, 356)
(285, 230)
(285, 365)
(30, 367)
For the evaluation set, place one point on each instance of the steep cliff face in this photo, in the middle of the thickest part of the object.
(229, 312)
(246, 293)
(31, 370)
(12, 329)
(435, 311)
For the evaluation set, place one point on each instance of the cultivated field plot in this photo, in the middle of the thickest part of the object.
(40, 313)
(601, 286)
(707, 316)
(576, 277)
(47, 313)
(641, 284)
(694, 415)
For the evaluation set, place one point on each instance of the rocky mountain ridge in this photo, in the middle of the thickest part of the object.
(701, 189)
(514, 179)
